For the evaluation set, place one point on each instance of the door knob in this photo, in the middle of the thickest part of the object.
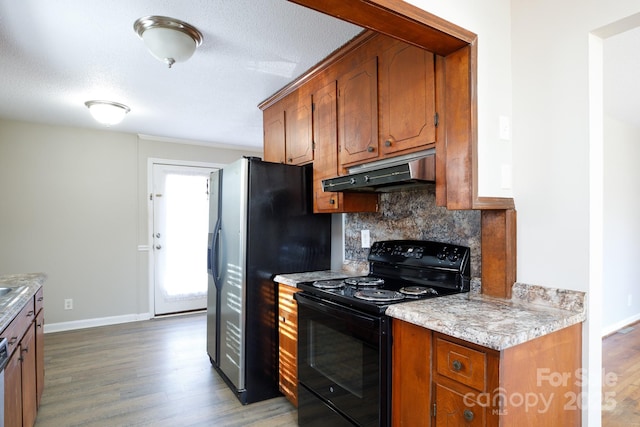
(158, 247)
(158, 235)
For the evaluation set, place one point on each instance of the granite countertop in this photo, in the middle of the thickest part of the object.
(293, 279)
(26, 286)
(496, 323)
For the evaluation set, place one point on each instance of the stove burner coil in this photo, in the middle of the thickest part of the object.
(378, 295)
(364, 281)
(418, 290)
(329, 284)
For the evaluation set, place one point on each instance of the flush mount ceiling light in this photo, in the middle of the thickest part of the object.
(169, 40)
(107, 112)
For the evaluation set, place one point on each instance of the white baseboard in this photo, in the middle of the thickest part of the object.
(606, 330)
(92, 323)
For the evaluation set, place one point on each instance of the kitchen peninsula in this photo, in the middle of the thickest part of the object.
(22, 325)
(469, 356)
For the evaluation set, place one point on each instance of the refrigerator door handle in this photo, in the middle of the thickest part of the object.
(215, 255)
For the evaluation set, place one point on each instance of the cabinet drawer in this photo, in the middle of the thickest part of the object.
(18, 326)
(462, 364)
(456, 409)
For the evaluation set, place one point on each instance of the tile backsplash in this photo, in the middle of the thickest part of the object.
(413, 214)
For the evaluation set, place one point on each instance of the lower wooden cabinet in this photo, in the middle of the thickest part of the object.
(444, 381)
(24, 373)
(288, 335)
(39, 356)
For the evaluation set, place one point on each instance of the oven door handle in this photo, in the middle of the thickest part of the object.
(337, 311)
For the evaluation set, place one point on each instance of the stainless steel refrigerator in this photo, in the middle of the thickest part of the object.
(261, 224)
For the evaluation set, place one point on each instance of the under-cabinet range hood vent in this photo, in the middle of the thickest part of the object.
(398, 173)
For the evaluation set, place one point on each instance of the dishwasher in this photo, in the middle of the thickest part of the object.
(4, 358)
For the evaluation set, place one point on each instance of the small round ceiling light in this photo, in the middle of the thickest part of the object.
(107, 113)
(169, 40)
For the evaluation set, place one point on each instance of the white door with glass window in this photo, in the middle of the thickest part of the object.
(180, 227)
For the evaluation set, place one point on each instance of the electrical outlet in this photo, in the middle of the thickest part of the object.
(365, 237)
(68, 304)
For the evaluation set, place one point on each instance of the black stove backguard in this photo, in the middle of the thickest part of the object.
(422, 263)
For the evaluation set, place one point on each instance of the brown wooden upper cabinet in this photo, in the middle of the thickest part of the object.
(407, 99)
(298, 127)
(287, 130)
(358, 114)
(274, 138)
(372, 99)
(325, 163)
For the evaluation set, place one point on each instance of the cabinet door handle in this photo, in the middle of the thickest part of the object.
(282, 319)
(30, 313)
(468, 414)
(13, 340)
(370, 149)
(457, 365)
(387, 143)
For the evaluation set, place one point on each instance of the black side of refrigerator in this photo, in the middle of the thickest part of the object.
(283, 236)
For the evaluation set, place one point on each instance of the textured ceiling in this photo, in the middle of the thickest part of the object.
(58, 54)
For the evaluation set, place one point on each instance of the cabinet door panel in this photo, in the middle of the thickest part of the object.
(273, 123)
(29, 399)
(358, 114)
(39, 356)
(454, 409)
(13, 391)
(407, 98)
(298, 142)
(288, 346)
(325, 136)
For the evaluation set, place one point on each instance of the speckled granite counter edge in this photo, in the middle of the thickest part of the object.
(27, 285)
(497, 323)
(292, 279)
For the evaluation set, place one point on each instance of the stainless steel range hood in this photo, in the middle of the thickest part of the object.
(387, 175)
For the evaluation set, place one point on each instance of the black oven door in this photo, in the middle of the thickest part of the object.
(343, 363)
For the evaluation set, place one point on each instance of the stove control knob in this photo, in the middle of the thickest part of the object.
(441, 255)
(453, 257)
(352, 181)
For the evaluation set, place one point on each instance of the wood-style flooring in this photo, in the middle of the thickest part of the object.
(150, 373)
(621, 378)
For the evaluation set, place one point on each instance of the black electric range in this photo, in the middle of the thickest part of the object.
(399, 271)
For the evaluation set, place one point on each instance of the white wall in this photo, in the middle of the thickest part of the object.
(621, 295)
(73, 204)
(490, 20)
(534, 64)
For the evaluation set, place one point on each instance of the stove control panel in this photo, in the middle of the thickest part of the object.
(420, 253)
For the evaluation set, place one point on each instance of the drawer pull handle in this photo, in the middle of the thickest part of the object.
(30, 313)
(13, 340)
(457, 365)
(282, 319)
(468, 415)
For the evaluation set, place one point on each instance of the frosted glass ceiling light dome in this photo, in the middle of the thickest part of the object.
(107, 112)
(169, 40)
